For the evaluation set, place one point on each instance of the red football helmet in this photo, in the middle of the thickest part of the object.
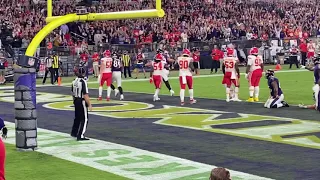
(254, 51)
(230, 52)
(186, 52)
(159, 57)
(107, 53)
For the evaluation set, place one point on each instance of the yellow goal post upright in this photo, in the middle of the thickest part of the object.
(25, 73)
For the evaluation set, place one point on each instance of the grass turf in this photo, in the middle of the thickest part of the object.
(39, 166)
(296, 86)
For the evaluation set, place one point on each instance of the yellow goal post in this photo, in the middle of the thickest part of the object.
(56, 21)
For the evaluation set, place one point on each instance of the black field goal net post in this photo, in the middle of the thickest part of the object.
(25, 102)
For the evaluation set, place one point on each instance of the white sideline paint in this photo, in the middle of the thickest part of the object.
(52, 142)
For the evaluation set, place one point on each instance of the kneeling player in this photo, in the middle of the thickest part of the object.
(276, 100)
(116, 74)
(156, 75)
(316, 97)
(185, 76)
(316, 94)
(231, 73)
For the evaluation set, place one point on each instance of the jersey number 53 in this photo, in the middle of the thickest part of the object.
(229, 64)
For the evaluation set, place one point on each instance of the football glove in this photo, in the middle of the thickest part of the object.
(246, 76)
(4, 132)
(151, 80)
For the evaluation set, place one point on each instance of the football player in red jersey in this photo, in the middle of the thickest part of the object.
(105, 74)
(185, 75)
(156, 75)
(254, 73)
(231, 73)
(2, 149)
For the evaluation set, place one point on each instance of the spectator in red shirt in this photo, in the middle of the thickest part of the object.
(303, 49)
(196, 59)
(216, 55)
(95, 64)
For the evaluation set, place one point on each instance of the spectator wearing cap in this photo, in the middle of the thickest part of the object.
(2, 149)
(220, 173)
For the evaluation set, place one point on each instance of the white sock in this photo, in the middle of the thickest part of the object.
(108, 91)
(182, 95)
(279, 105)
(256, 91)
(191, 93)
(100, 91)
(156, 93)
(251, 91)
(231, 92)
(236, 92)
(228, 93)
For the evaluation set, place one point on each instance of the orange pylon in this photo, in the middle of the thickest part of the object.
(59, 81)
(278, 67)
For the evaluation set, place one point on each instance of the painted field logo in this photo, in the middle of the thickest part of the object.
(267, 128)
(275, 129)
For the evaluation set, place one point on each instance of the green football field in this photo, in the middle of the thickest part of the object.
(296, 85)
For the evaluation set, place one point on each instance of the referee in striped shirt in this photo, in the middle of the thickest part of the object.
(81, 102)
(48, 64)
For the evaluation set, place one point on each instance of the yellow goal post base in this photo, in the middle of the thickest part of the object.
(56, 21)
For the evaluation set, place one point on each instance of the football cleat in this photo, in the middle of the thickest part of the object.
(250, 100)
(99, 99)
(121, 97)
(256, 99)
(116, 92)
(193, 101)
(236, 99)
(285, 104)
(171, 92)
(108, 98)
(182, 103)
(155, 98)
(228, 99)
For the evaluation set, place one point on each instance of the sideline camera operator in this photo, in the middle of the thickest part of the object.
(81, 101)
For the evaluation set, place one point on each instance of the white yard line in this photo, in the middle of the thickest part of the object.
(130, 162)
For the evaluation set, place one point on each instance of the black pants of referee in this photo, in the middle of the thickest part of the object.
(50, 69)
(56, 74)
(81, 118)
(293, 60)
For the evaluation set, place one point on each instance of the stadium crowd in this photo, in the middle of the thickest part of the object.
(185, 21)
